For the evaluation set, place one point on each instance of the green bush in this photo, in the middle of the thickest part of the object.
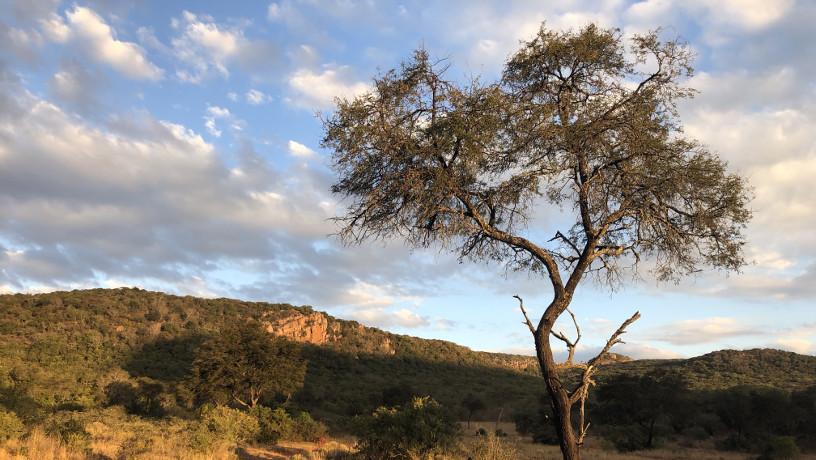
(277, 424)
(305, 428)
(229, 424)
(419, 429)
(274, 424)
(70, 429)
(10, 425)
(780, 448)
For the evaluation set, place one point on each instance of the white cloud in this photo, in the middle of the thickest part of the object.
(215, 113)
(102, 45)
(796, 344)
(318, 90)
(255, 97)
(273, 12)
(205, 47)
(743, 14)
(55, 28)
(698, 331)
(299, 150)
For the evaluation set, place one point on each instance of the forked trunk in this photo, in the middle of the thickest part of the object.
(559, 398)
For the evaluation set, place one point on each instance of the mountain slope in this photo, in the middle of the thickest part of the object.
(64, 348)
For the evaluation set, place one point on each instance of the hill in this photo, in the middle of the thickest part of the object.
(64, 348)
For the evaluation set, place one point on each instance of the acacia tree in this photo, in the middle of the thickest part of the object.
(584, 120)
(244, 364)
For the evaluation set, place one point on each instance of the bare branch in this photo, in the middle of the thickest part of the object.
(526, 318)
(581, 392)
(571, 345)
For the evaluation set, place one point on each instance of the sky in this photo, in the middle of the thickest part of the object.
(175, 146)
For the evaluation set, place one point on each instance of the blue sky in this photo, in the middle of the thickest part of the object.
(175, 146)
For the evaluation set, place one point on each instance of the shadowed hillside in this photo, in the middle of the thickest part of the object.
(66, 346)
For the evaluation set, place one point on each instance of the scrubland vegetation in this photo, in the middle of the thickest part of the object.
(125, 373)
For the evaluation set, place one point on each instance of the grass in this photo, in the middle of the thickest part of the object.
(524, 449)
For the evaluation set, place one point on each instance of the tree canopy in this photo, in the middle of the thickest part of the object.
(579, 120)
(245, 364)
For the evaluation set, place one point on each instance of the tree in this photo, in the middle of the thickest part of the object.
(244, 364)
(577, 120)
(472, 405)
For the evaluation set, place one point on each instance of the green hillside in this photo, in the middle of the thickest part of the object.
(65, 348)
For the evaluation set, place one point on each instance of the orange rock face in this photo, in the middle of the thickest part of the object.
(306, 328)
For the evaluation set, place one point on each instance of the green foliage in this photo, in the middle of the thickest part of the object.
(146, 397)
(472, 405)
(305, 428)
(780, 448)
(226, 423)
(536, 422)
(244, 364)
(277, 424)
(70, 429)
(11, 427)
(421, 429)
(638, 410)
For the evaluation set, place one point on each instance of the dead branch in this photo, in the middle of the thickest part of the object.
(571, 345)
(581, 392)
(526, 318)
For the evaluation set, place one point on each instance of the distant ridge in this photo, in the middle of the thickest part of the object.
(67, 345)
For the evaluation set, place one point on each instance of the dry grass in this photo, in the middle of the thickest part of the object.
(109, 443)
(524, 449)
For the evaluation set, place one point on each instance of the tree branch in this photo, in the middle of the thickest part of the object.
(581, 392)
(526, 318)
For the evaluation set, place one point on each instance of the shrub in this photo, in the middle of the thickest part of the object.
(273, 424)
(70, 430)
(229, 424)
(10, 425)
(419, 429)
(305, 428)
(780, 448)
(277, 424)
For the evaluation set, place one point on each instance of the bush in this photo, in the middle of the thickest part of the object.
(305, 428)
(277, 424)
(419, 429)
(70, 430)
(221, 423)
(273, 424)
(10, 426)
(780, 448)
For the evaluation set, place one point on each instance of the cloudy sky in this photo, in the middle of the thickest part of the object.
(175, 146)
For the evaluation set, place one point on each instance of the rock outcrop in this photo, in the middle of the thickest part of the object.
(300, 327)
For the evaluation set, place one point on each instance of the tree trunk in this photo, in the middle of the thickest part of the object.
(559, 398)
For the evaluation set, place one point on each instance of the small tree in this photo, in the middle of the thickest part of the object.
(577, 120)
(244, 364)
(472, 405)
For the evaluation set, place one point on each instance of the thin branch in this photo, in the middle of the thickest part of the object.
(524, 312)
(581, 392)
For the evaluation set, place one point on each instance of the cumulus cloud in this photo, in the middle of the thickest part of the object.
(112, 210)
(318, 90)
(77, 87)
(207, 48)
(92, 32)
(297, 149)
